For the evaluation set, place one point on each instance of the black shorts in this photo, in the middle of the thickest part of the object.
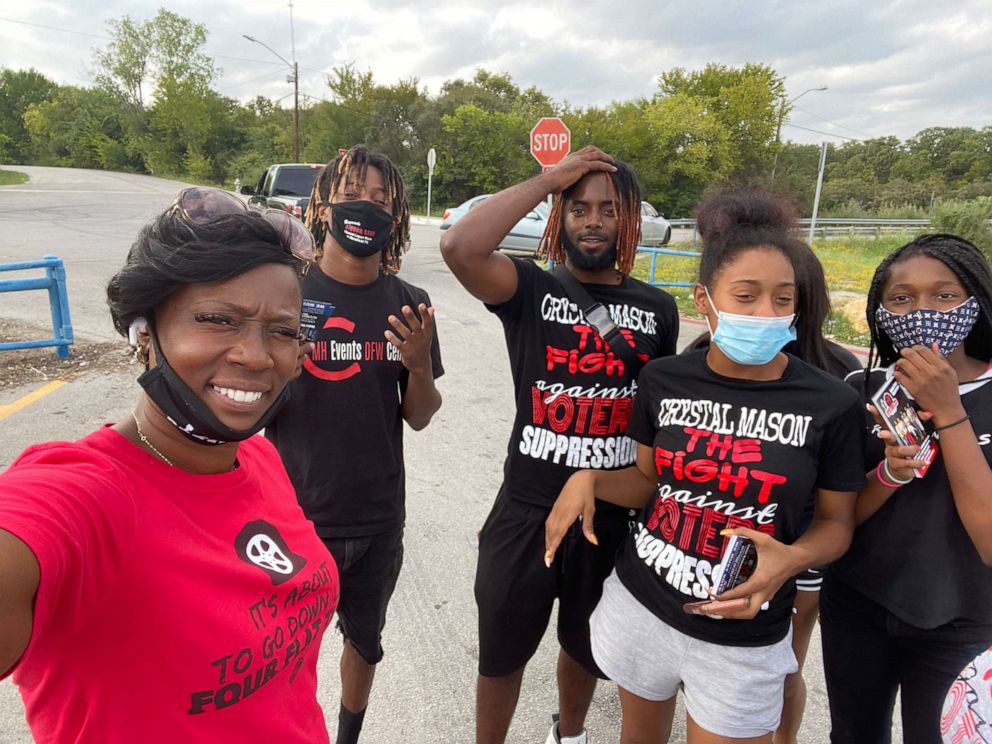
(515, 591)
(368, 568)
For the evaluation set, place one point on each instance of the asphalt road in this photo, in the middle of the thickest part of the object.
(424, 689)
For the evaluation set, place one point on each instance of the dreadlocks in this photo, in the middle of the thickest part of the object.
(626, 194)
(971, 268)
(355, 163)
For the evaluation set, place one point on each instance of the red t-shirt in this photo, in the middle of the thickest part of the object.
(171, 607)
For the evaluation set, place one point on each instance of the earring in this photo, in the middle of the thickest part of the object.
(140, 355)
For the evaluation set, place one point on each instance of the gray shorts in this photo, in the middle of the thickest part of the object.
(733, 691)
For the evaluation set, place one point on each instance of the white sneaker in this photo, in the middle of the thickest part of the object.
(553, 738)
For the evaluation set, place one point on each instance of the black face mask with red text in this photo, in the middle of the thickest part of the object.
(184, 409)
(361, 227)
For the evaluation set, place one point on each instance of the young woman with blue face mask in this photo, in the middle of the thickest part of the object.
(911, 602)
(735, 439)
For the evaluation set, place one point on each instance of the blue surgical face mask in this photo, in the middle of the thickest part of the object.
(752, 340)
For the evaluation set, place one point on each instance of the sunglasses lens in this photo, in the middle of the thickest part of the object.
(200, 205)
(294, 233)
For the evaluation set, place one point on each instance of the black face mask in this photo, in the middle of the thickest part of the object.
(361, 227)
(187, 412)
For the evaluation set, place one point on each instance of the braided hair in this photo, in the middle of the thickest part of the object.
(971, 268)
(626, 195)
(357, 162)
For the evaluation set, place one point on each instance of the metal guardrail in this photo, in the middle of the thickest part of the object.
(58, 300)
(832, 226)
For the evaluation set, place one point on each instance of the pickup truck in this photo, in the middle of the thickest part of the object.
(285, 186)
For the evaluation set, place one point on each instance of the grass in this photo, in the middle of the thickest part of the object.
(847, 262)
(10, 178)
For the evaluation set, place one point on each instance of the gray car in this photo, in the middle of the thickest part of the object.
(656, 231)
(527, 233)
(524, 237)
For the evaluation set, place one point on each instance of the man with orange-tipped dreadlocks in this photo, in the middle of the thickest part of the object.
(573, 392)
(373, 366)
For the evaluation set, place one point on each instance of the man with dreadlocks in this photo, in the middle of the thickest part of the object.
(574, 392)
(373, 366)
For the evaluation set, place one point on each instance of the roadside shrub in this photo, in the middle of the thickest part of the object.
(969, 219)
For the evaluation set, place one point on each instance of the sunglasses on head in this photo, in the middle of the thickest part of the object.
(200, 205)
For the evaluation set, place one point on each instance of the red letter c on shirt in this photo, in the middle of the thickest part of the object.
(334, 375)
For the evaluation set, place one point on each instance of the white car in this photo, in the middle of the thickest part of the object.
(525, 236)
(656, 231)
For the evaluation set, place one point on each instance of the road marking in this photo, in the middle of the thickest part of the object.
(67, 191)
(11, 408)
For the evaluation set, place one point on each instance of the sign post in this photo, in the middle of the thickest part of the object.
(431, 162)
(550, 142)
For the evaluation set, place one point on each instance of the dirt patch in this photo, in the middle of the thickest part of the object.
(27, 366)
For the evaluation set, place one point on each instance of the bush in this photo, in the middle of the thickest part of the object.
(969, 219)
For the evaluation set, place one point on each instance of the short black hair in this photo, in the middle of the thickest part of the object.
(969, 265)
(171, 252)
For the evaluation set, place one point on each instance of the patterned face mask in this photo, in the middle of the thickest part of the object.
(924, 327)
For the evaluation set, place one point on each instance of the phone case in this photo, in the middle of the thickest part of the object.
(898, 411)
(739, 559)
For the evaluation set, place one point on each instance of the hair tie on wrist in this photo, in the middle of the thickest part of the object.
(953, 423)
(885, 477)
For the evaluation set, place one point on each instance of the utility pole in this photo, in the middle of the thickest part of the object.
(296, 111)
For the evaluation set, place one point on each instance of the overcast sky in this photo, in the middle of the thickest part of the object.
(890, 66)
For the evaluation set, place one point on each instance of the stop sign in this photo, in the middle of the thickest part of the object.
(550, 141)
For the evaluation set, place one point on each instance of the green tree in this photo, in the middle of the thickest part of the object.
(19, 90)
(486, 151)
(79, 127)
(747, 101)
(124, 65)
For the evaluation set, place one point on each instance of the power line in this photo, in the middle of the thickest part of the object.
(819, 131)
(246, 82)
(823, 118)
(55, 28)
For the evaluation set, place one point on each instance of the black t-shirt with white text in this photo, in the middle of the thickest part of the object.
(340, 435)
(573, 394)
(914, 556)
(732, 453)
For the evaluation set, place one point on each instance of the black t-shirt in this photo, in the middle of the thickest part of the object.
(913, 556)
(732, 453)
(574, 395)
(340, 435)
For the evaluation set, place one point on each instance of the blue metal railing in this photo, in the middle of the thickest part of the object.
(58, 299)
(655, 252)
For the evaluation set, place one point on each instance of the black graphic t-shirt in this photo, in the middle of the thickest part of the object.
(732, 453)
(341, 433)
(574, 395)
(913, 556)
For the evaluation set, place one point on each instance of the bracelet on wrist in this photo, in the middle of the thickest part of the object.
(885, 477)
(953, 423)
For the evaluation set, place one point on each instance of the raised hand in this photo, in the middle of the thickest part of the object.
(413, 335)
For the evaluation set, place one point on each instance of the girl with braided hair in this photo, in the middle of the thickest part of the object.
(910, 603)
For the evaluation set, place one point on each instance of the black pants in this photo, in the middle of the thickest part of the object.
(869, 653)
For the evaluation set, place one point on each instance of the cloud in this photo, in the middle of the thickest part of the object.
(891, 67)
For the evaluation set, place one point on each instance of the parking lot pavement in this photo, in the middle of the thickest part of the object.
(424, 690)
